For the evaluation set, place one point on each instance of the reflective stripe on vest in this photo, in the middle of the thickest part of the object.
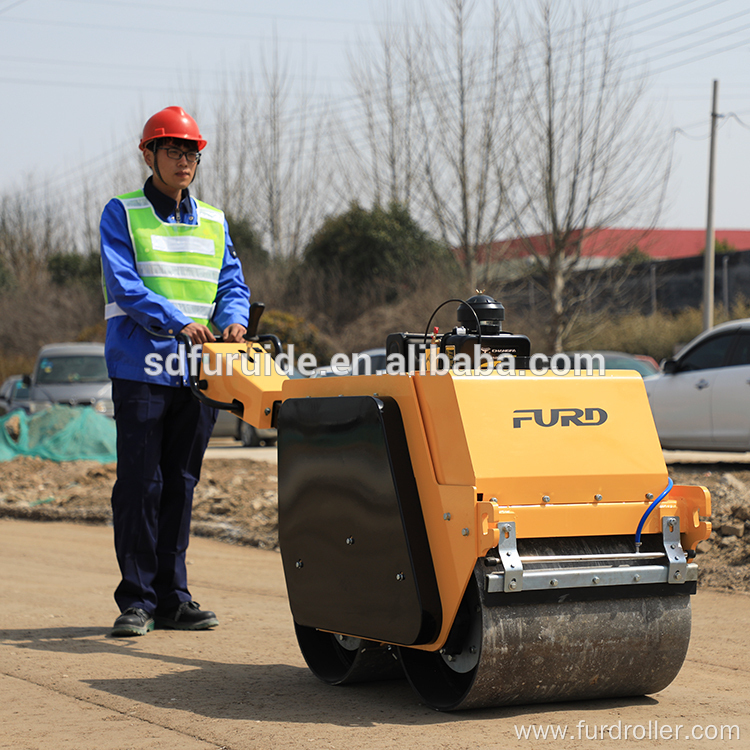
(191, 309)
(178, 270)
(181, 262)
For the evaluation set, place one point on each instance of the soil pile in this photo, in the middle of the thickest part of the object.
(236, 501)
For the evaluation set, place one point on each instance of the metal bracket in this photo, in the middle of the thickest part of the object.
(558, 579)
(618, 571)
(670, 526)
(509, 558)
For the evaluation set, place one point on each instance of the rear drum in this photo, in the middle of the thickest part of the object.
(342, 660)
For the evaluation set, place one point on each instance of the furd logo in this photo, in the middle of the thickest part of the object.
(590, 417)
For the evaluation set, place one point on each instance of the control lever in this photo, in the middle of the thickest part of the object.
(256, 310)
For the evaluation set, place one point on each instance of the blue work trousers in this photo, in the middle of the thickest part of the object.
(162, 434)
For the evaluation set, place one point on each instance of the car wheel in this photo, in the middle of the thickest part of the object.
(248, 435)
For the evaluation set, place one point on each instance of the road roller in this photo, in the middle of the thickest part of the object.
(497, 535)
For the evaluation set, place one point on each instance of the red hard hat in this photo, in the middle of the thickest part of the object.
(172, 122)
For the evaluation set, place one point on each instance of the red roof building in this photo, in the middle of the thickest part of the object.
(609, 244)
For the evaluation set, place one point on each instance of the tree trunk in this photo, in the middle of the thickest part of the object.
(557, 304)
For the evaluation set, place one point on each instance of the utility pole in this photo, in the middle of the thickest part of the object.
(709, 256)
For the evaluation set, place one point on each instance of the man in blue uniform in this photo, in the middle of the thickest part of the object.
(169, 267)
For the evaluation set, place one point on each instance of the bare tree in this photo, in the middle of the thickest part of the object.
(465, 121)
(436, 122)
(287, 159)
(267, 165)
(387, 85)
(30, 234)
(585, 153)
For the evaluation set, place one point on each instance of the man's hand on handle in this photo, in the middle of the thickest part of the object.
(198, 333)
(234, 333)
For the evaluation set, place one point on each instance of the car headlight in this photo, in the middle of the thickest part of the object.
(104, 406)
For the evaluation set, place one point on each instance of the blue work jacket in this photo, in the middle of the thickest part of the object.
(152, 321)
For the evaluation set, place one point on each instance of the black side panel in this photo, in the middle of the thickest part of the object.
(353, 541)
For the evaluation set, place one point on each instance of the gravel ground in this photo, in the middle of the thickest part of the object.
(236, 502)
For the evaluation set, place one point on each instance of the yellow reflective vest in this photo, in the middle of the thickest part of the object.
(181, 262)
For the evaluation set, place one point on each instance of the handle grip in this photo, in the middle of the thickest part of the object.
(195, 384)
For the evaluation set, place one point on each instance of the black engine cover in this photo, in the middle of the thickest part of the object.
(353, 541)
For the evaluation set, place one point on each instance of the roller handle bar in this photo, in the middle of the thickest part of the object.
(195, 384)
(251, 335)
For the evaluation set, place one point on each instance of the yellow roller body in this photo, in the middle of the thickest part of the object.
(474, 468)
(567, 466)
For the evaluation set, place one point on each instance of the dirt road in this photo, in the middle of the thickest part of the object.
(65, 684)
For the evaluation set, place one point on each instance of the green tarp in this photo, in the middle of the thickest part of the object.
(60, 433)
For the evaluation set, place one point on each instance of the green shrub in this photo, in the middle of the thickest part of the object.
(292, 329)
(721, 247)
(366, 258)
(634, 257)
(247, 243)
(75, 268)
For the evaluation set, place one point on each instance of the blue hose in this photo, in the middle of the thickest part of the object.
(670, 484)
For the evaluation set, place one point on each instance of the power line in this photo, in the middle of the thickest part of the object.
(681, 4)
(733, 115)
(660, 12)
(707, 40)
(82, 85)
(12, 5)
(182, 8)
(678, 17)
(698, 58)
(680, 131)
(725, 117)
(125, 69)
(695, 30)
(344, 106)
(182, 32)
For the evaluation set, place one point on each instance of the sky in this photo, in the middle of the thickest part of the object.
(79, 77)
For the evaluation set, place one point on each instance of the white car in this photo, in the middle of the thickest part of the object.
(701, 400)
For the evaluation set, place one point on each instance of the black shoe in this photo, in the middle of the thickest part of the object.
(188, 616)
(133, 621)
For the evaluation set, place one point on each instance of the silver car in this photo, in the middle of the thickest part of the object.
(10, 391)
(701, 400)
(73, 374)
(368, 362)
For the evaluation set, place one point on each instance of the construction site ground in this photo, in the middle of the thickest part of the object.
(64, 683)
